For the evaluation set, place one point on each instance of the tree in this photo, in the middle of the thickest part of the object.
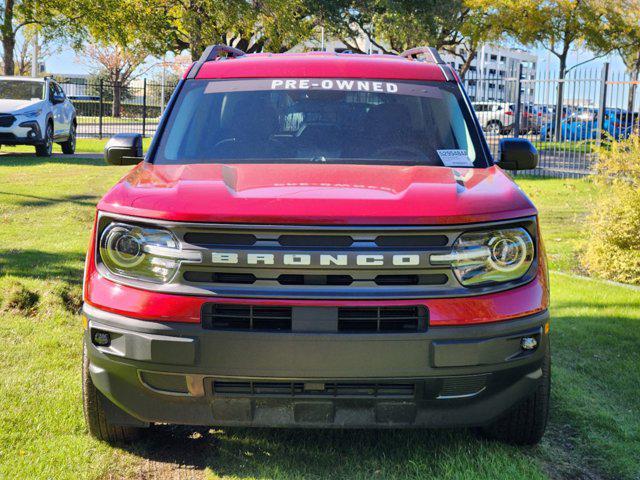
(623, 19)
(556, 25)
(23, 51)
(53, 18)
(178, 25)
(120, 64)
(393, 25)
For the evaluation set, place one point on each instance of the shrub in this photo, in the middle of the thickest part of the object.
(613, 250)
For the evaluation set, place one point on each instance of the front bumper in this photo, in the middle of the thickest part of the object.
(21, 133)
(185, 374)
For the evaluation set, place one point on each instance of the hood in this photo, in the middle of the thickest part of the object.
(317, 194)
(14, 106)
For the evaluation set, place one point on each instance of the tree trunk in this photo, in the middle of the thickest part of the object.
(467, 63)
(633, 87)
(8, 38)
(560, 100)
(117, 99)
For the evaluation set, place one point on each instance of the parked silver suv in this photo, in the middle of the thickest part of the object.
(35, 111)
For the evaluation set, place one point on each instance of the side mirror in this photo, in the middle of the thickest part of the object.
(124, 149)
(517, 154)
(56, 99)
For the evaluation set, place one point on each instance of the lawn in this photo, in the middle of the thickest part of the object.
(46, 211)
(83, 145)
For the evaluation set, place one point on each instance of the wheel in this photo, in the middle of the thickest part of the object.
(526, 422)
(494, 128)
(95, 415)
(69, 147)
(46, 148)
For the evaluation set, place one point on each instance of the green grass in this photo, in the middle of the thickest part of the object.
(46, 212)
(83, 145)
(584, 146)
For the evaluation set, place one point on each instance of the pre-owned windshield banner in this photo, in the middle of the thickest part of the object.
(327, 84)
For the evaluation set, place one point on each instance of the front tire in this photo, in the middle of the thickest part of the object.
(95, 415)
(45, 149)
(69, 147)
(494, 127)
(526, 422)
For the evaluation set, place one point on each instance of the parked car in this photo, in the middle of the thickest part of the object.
(583, 125)
(35, 111)
(498, 117)
(317, 240)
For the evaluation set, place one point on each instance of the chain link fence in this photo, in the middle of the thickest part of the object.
(596, 106)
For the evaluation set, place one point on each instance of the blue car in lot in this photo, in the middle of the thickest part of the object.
(583, 125)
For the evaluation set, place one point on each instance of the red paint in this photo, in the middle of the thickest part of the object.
(317, 194)
(320, 65)
(145, 305)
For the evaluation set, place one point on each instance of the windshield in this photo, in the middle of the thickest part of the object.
(21, 90)
(319, 120)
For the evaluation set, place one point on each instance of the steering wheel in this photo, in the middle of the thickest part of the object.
(397, 150)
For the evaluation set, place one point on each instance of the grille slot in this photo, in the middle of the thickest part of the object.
(224, 277)
(315, 279)
(316, 389)
(412, 240)
(6, 120)
(213, 239)
(245, 317)
(315, 240)
(382, 319)
(428, 279)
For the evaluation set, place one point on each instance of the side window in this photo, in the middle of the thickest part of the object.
(52, 91)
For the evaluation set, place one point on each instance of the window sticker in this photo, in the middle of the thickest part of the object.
(455, 158)
(326, 84)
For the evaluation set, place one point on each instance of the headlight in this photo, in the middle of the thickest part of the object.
(31, 113)
(143, 253)
(490, 257)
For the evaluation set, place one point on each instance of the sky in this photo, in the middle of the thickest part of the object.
(67, 61)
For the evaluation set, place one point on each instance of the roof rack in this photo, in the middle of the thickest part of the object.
(429, 51)
(212, 52)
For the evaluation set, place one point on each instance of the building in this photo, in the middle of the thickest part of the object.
(493, 74)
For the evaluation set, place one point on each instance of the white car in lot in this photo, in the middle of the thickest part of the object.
(35, 111)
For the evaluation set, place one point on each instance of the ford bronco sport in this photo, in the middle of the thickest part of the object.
(317, 240)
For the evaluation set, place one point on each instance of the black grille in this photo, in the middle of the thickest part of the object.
(412, 318)
(313, 389)
(7, 136)
(412, 240)
(463, 386)
(6, 120)
(382, 319)
(219, 277)
(219, 239)
(245, 317)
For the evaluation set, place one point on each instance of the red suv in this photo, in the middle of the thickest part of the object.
(317, 240)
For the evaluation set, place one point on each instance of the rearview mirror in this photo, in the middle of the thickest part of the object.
(124, 149)
(517, 154)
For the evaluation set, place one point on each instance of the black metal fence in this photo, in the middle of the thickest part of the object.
(105, 108)
(597, 106)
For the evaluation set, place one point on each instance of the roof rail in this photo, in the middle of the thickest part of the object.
(213, 52)
(429, 51)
